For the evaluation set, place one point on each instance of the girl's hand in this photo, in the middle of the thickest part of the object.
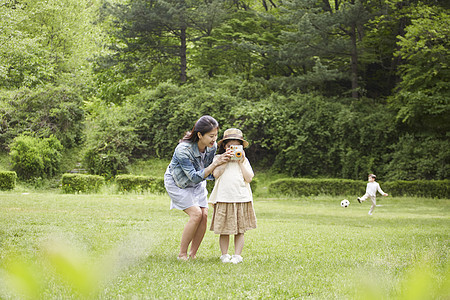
(241, 161)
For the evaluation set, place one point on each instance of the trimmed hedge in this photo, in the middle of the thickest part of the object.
(420, 188)
(7, 180)
(128, 183)
(80, 183)
(307, 187)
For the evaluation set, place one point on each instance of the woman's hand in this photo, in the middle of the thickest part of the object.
(225, 157)
(217, 168)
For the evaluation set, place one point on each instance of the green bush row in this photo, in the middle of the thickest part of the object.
(420, 188)
(128, 183)
(80, 183)
(308, 187)
(7, 180)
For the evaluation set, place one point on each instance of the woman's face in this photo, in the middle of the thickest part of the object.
(208, 139)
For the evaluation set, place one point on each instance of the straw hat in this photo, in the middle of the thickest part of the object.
(233, 134)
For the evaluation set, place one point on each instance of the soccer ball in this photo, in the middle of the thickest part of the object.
(345, 203)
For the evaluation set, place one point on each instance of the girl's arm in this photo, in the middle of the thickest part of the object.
(246, 169)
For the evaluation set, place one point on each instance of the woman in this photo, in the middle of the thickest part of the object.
(192, 163)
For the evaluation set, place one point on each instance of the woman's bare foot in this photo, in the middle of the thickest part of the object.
(183, 258)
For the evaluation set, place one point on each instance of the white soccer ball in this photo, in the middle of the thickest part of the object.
(345, 203)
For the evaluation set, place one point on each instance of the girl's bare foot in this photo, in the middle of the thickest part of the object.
(182, 258)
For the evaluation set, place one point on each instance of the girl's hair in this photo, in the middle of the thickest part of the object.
(224, 143)
(203, 125)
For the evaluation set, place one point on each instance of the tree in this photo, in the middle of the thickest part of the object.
(243, 43)
(422, 97)
(44, 41)
(151, 36)
(330, 31)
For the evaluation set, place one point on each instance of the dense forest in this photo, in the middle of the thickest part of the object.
(320, 88)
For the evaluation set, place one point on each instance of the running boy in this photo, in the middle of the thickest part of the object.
(371, 191)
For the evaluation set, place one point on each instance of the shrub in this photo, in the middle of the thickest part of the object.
(80, 183)
(420, 158)
(128, 183)
(110, 141)
(44, 111)
(33, 157)
(7, 180)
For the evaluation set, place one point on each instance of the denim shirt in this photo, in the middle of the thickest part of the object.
(187, 166)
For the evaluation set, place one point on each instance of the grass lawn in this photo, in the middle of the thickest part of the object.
(106, 246)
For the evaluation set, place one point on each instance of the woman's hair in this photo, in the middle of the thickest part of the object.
(203, 125)
(224, 143)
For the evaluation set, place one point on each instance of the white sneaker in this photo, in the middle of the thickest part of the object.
(226, 258)
(235, 259)
(370, 213)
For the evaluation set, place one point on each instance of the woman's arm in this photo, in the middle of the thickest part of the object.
(218, 171)
(217, 167)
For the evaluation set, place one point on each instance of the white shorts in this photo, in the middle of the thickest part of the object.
(195, 195)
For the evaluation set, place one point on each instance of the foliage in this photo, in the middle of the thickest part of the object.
(282, 71)
(34, 157)
(130, 183)
(420, 157)
(110, 140)
(423, 94)
(7, 180)
(310, 135)
(81, 183)
(242, 37)
(47, 42)
(50, 110)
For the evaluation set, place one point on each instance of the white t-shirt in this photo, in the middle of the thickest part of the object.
(230, 186)
(372, 188)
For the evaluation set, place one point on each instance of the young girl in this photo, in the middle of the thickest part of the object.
(191, 164)
(232, 197)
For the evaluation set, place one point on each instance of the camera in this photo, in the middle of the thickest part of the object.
(238, 152)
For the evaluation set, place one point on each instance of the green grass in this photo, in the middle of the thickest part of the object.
(55, 246)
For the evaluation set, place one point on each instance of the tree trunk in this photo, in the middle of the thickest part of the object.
(183, 60)
(354, 63)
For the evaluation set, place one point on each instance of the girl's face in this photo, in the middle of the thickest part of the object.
(208, 139)
(232, 143)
